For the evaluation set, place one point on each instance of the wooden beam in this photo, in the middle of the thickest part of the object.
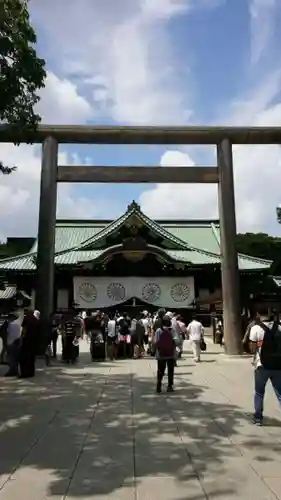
(88, 134)
(155, 175)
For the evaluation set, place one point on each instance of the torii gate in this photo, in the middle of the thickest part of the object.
(222, 174)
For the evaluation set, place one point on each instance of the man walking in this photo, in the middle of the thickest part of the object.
(195, 330)
(165, 341)
(71, 332)
(112, 338)
(265, 344)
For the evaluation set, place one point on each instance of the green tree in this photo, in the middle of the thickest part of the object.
(22, 73)
(259, 245)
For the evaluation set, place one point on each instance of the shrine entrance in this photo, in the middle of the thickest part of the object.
(133, 307)
(222, 174)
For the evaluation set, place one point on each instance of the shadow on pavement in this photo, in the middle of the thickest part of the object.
(94, 429)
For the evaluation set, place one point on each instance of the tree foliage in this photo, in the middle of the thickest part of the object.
(22, 73)
(259, 245)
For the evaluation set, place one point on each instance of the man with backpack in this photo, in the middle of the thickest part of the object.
(265, 344)
(157, 322)
(165, 341)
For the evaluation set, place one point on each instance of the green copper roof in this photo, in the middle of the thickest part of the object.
(195, 257)
(133, 211)
(249, 263)
(71, 235)
(8, 293)
(19, 263)
(196, 234)
(74, 257)
(195, 242)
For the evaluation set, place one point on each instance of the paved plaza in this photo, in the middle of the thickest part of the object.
(99, 431)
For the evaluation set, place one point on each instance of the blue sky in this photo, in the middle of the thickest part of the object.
(156, 62)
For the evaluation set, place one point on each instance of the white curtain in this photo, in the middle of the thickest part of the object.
(100, 292)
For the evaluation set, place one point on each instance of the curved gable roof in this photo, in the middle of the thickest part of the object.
(193, 242)
(132, 212)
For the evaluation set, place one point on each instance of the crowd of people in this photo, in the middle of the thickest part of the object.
(109, 336)
(22, 341)
(20, 334)
(162, 336)
(118, 335)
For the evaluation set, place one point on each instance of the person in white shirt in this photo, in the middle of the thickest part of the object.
(262, 374)
(182, 332)
(195, 332)
(13, 344)
(83, 321)
(145, 321)
(112, 338)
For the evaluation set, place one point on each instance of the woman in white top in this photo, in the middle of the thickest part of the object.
(13, 344)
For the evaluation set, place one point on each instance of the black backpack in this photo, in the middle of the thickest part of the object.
(166, 344)
(270, 353)
(124, 325)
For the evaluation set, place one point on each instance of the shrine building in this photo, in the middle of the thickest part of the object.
(134, 262)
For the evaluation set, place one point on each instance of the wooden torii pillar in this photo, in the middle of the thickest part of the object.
(44, 300)
(230, 277)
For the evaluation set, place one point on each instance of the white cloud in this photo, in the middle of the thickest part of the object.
(123, 54)
(251, 108)
(164, 8)
(179, 200)
(61, 102)
(262, 13)
(19, 192)
(122, 58)
(256, 172)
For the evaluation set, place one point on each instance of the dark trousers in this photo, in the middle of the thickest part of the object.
(54, 341)
(262, 376)
(161, 368)
(27, 364)
(69, 350)
(13, 357)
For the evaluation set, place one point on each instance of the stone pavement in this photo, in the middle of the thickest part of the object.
(98, 431)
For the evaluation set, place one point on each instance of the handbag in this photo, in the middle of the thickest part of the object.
(203, 346)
